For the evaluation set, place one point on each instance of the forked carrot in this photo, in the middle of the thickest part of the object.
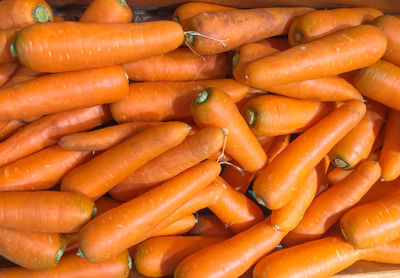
(107, 11)
(23, 74)
(278, 145)
(210, 225)
(9, 128)
(390, 27)
(390, 155)
(337, 175)
(181, 226)
(7, 37)
(7, 71)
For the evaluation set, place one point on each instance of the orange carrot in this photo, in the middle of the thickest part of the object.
(7, 37)
(130, 223)
(9, 128)
(337, 175)
(210, 225)
(47, 130)
(7, 71)
(378, 143)
(107, 11)
(318, 24)
(278, 43)
(181, 226)
(381, 189)
(386, 253)
(120, 43)
(276, 184)
(58, 19)
(239, 179)
(390, 27)
(278, 145)
(390, 155)
(23, 74)
(179, 65)
(158, 101)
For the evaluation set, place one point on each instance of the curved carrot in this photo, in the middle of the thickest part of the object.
(157, 257)
(357, 144)
(47, 130)
(210, 225)
(23, 74)
(390, 154)
(318, 24)
(232, 257)
(390, 27)
(7, 71)
(107, 11)
(181, 226)
(342, 51)
(158, 101)
(120, 43)
(337, 175)
(129, 223)
(276, 184)
(109, 168)
(278, 145)
(16, 14)
(9, 128)
(270, 115)
(179, 65)
(7, 37)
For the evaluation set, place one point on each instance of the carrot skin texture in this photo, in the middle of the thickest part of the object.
(390, 27)
(181, 226)
(277, 183)
(9, 128)
(107, 11)
(7, 71)
(386, 253)
(337, 175)
(210, 225)
(278, 145)
(6, 39)
(23, 74)
(390, 154)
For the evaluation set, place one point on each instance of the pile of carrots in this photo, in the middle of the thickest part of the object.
(222, 143)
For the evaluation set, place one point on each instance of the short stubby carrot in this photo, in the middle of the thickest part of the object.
(179, 65)
(107, 11)
(318, 24)
(340, 52)
(7, 37)
(276, 184)
(93, 45)
(181, 226)
(9, 128)
(337, 175)
(390, 154)
(158, 101)
(45, 211)
(7, 71)
(23, 74)
(278, 145)
(131, 222)
(390, 27)
(210, 225)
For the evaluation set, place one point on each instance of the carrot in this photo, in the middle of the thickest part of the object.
(120, 43)
(277, 183)
(270, 115)
(216, 32)
(278, 43)
(23, 74)
(386, 253)
(318, 24)
(16, 14)
(238, 179)
(181, 226)
(7, 71)
(390, 26)
(179, 65)
(342, 51)
(390, 155)
(158, 101)
(104, 138)
(58, 19)
(75, 266)
(190, 152)
(220, 156)
(47, 130)
(130, 223)
(7, 37)
(41, 170)
(378, 143)
(337, 175)
(232, 257)
(210, 225)
(381, 189)
(9, 128)
(31, 250)
(278, 145)
(107, 11)
(357, 144)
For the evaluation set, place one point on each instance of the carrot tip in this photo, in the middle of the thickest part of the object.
(129, 262)
(123, 3)
(340, 163)
(41, 14)
(189, 37)
(13, 49)
(235, 59)
(94, 211)
(60, 253)
(201, 97)
(257, 198)
(298, 36)
(80, 253)
(250, 116)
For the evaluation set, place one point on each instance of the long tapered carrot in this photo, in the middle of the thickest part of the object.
(47, 130)
(106, 170)
(16, 14)
(191, 151)
(31, 250)
(157, 101)
(179, 65)
(23, 74)
(107, 11)
(390, 155)
(210, 225)
(9, 128)
(130, 223)
(357, 144)
(337, 175)
(337, 53)
(120, 43)
(244, 248)
(216, 32)
(7, 71)
(158, 257)
(276, 184)
(390, 27)
(181, 226)
(63, 91)
(7, 37)
(318, 24)
(278, 145)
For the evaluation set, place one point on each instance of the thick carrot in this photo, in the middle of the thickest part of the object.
(278, 145)
(232, 257)
(158, 101)
(337, 175)
(7, 37)
(342, 51)
(47, 130)
(9, 128)
(318, 24)
(107, 11)
(390, 27)
(179, 65)
(270, 115)
(158, 257)
(216, 32)
(276, 184)
(210, 225)
(120, 43)
(16, 14)
(75, 266)
(23, 74)
(390, 155)
(109, 168)
(63, 91)
(31, 250)
(104, 138)
(190, 152)
(7, 71)
(41, 170)
(357, 144)
(213, 107)
(181, 226)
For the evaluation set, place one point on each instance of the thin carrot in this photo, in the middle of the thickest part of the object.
(220, 156)
(390, 27)
(278, 145)
(107, 11)
(47, 130)
(23, 74)
(120, 43)
(337, 175)
(130, 223)
(318, 24)
(158, 101)
(7, 37)
(7, 71)
(276, 184)
(390, 155)
(210, 225)
(181, 226)
(9, 128)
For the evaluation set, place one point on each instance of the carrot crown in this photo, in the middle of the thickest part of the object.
(94, 211)
(123, 3)
(250, 116)
(41, 14)
(235, 59)
(201, 97)
(60, 253)
(340, 163)
(13, 50)
(298, 36)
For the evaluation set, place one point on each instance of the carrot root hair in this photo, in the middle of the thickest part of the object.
(41, 14)
(189, 37)
(225, 132)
